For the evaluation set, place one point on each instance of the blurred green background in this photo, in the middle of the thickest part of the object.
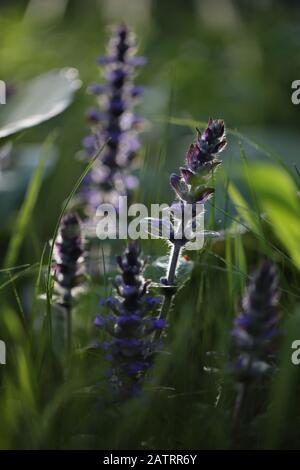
(234, 60)
(227, 59)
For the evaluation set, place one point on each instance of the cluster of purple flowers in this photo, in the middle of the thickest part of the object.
(131, 324)
(256, 326)
(113, 123)
(201, 160)
(69, 271)
(191, 189)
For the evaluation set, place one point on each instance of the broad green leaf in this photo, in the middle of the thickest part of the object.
(276, 192)
(38, 100)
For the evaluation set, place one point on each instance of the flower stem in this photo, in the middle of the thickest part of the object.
(174, 256)
(68, 307)
(168, 296)
(69, 328)
(165, 307)
(242, 395)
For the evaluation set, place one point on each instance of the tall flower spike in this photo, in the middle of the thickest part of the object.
(113, 123)
(201, 160)
(131, 324)
(185, 222)
(68, 270)
(191, 187)
(256, 326)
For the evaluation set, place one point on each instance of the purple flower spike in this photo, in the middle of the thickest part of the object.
(68, 269)
(206, 149)
(192, 191)
(132, 347)
(256, 326)
(114, 125)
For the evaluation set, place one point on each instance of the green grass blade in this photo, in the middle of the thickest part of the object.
(18, 275)
(25, 213)
(65, 206)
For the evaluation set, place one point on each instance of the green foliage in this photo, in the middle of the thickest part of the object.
(51, 399)
(24, 216)
(37, 101)
(280, 202)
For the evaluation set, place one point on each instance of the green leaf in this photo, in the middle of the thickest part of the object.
(276, 192)
(38, 100)
(24, 216)
(243, 208)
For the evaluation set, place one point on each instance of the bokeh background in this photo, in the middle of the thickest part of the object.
(227, 59)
